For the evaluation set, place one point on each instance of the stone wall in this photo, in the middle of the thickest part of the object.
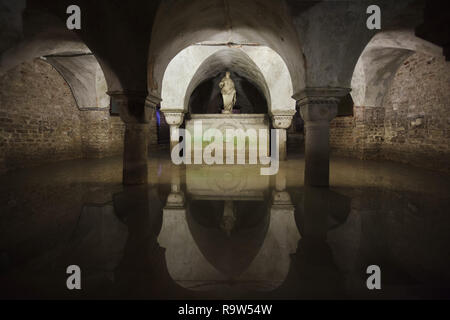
(411, 127)
(40, 122)
(101, 134)
(369, 131)
(341, 136)
(360, 135)
(417, 114)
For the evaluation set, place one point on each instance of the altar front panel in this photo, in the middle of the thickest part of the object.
(222, 122)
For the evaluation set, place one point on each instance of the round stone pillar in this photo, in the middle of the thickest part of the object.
(152, 102)
(282, 121)
(175, 120)
(136, 118)
(318, 106)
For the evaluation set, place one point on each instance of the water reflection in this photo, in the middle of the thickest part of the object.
(220, 232)
(231, 235)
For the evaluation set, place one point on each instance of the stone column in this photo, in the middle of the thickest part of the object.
(152, 102)
(175, 120)
(282, 121)
(318, 106)
(136, 118)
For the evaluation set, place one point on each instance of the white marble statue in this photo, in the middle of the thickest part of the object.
(228, 93)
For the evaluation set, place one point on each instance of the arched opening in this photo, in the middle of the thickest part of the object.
(392, 108)
(191, 69)
(206, 97)
(74, 119)
(202, 30)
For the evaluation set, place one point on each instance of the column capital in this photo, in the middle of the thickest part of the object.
(281, 200)
(152, 101)
(282, 119)
(320, 104)
(317, 95)
(175, 200)
(174, 118)
(132, 106)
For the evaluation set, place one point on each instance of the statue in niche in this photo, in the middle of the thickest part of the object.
(228, 93)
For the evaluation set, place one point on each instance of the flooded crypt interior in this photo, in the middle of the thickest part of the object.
(89, 128)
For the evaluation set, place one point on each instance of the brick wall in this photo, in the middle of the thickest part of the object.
(417, 114)
(40, 122)
(360, 135)
(411, 127)
(341, 136)
(369, 131)
(101, 134)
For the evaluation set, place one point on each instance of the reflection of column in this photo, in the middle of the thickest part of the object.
(313, 271)
(318, 106)
(142, 272)
(176, 196)
(282, 226)
(280, 197)
(136, 117)
(174, 119)
(282, 121)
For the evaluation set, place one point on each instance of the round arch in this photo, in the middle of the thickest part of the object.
(230, 60)
(260, 64)
(380, 61)
(259, 27)
(74, 61)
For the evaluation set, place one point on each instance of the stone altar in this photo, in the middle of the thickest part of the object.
(222, 122)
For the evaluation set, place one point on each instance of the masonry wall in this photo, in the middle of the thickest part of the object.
(417, 114)
(101, 134)
(411, 127)
(360, 135)
(342, 142)
(40, 122)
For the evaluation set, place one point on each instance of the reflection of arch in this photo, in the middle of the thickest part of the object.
(189, 239)
(233, 254)
(380, 61)
(194, 64)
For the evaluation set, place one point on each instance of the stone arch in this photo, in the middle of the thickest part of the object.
(220, 23)
(72, 59)
(380, 61)
(228, 59)
(196, 63)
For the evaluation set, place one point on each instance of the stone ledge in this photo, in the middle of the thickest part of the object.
(229, 116)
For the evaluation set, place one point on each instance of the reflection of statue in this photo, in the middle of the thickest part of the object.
(228, 93)
(228, 218)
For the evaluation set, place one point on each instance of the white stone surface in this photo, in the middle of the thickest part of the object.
(226, 183)
(183, 67)
(380, 61)
(222, 122)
